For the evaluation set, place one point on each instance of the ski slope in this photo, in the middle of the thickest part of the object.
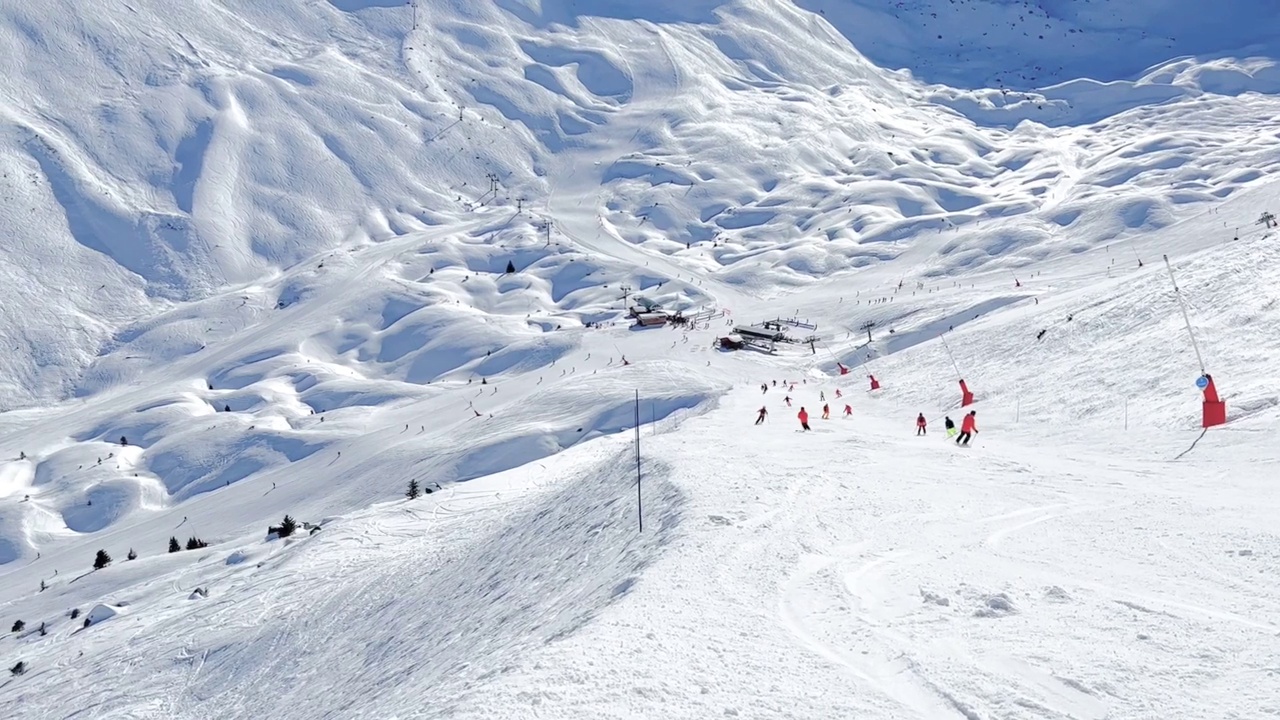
(254, 264)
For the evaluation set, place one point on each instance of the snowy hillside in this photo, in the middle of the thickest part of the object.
(264, 257)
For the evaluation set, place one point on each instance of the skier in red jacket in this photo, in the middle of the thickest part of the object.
(848, 410)
(968, 426)
(922, 425)
(804, 419)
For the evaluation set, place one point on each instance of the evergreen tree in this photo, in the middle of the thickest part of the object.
(173, 545)
(75, 613)
(195, 543)
(511, 267)
(18, 669)
(18, 626)
(101, 560)
(414, 491)
(132, 555)
(287, 526)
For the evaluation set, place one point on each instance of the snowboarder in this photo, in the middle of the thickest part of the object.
(826, 412)
(968, 426)
(950, 425)
(922, 425)
(804, 419)
(761, 416)
(848, 411)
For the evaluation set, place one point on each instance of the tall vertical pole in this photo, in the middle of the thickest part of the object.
(953, 357)
(1186, 317)
(639, 494)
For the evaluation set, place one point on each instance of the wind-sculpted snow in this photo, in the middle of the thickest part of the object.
(263, 258)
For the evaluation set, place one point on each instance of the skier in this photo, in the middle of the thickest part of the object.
(804, 419)
(1040, 335)
(822, 396)
(922, 425)
(787, 400)
(764, 388)
(763, 413)
(950, 425)
(968, 426)
(826, 412)
(838, 393)
(848, 411)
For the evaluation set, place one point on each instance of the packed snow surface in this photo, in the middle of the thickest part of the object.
(263, 257)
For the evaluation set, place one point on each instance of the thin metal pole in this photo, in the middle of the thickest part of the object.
(639, 494)
(953, 357)
(1185, 316)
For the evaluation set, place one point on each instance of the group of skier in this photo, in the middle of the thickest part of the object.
(968, 427)
(968, 424)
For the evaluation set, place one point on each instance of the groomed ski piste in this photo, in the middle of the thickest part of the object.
(254, 263)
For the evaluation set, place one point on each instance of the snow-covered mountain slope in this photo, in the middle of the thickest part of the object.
(254, 263)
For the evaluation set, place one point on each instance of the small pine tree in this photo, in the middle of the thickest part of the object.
(132, 555)
(287, 526)
(18, 626)
(511, 267)
(195, 543)
(173, 545)
(75, 613)
(414, 491)
(19, 669)
(101, 560)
